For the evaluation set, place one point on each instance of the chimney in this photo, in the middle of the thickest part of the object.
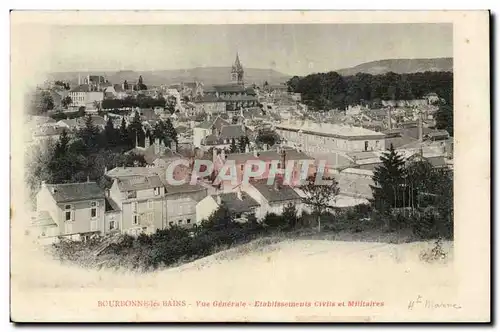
(157, 145)
(162, 147)
(420, 129)
(389, 118)
(214, 154)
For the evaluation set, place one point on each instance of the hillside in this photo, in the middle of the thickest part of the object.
(300, 270)
(207, 75)
(400, 66)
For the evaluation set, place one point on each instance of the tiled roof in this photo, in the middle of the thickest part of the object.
(183, 188)
(81, 88)
(70, 192)
(235, 204)
(229, 88)
(208, 99)
(231, 131)
(290, 154)
(275, 193)
(139, 182)
(239, 98)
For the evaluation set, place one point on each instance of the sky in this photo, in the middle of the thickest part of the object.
(294, 49)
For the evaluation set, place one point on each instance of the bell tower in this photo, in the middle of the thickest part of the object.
(237, 71)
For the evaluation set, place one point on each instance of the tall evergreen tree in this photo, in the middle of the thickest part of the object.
(123, 134)
(170, 131)
(136, 131)
(89, 134)
(62, 145)
(233, 148)
(388, 190)
(243, 142)
(110, 134)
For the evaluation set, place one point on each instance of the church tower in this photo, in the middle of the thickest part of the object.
(237, 71)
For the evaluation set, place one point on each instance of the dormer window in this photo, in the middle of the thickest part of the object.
(157, 191)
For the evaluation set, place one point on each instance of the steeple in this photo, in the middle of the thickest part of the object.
(237, 71)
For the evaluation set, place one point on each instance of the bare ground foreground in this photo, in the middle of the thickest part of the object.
(317, 271)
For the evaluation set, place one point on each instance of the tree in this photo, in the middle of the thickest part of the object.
(267, 137)
(170, 104)
(62, 145)
(66, 101)
(123, 134)
(89, 135)
(110, 134)
(81, 111)
(97, 105)
(170, 131)
(125, 85)
(319, 196)
(136, 131)
(290, 215)
(42, 102)
(233, 148)
(444, 118)
(140, 85)
(388, 179)
(243, 142)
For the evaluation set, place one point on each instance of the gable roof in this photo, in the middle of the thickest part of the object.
(231, 131)
(290, 154)
(139, 182)
(69, 192)
(236, 205)
(275, 193)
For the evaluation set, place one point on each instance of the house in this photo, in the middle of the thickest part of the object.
(76, 209)
(273, 198)
(239, 204)
(86, 95)
(326, 137)
(224, 137)
(152, 202)
(141, 201)
(209, 104)
(211, 126)
(181, 202)
(281, 157)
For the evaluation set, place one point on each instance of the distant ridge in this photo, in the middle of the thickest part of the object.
(400, 66)
(207, 75)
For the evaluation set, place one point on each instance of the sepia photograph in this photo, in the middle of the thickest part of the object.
(249, 167)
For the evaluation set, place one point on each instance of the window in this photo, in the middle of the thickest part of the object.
(157, 191)
(112, 225)
(179, 221)
(68, 212)
(188, 221)
(150, 217)
(150, 204)
(134, 207)
(366, 145)
(93, 210)
(135, 219)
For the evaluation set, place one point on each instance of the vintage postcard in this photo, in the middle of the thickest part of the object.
(260, 166)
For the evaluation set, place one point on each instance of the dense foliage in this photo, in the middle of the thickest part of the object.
(87, 153)
(330, 90)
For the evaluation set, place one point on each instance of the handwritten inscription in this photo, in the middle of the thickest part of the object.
(420, 302)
